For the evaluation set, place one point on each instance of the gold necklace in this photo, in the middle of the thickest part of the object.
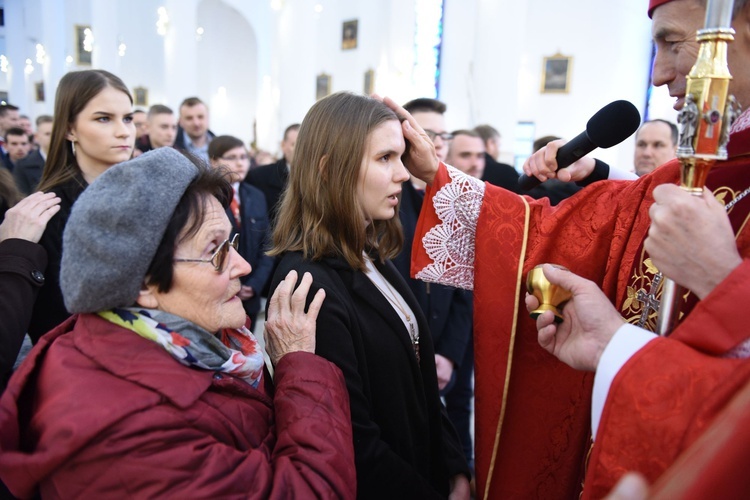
(391, 297)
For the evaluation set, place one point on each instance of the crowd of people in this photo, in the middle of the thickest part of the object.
(138, 250)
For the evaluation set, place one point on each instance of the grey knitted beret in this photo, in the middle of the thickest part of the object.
(115, 228)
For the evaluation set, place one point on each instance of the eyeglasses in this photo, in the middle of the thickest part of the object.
(219, 257)
(446, 136)
(235, 158)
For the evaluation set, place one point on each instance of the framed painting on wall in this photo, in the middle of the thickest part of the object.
(369, 87)
(349, 35)
(39, 91)
(140, 96)
(556, 74)
(322, 86)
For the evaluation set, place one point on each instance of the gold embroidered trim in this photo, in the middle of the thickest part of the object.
(519, 281)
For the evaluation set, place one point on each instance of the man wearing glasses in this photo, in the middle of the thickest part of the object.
(447, 309)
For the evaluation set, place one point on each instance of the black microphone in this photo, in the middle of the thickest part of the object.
(611, 125)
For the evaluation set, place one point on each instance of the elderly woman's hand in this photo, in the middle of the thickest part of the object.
(28, 218)
(288, 327)
(420, 157)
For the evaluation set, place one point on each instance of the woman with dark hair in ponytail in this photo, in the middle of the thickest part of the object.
(92, 130)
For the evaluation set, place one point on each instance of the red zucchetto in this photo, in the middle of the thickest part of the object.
(652, 4)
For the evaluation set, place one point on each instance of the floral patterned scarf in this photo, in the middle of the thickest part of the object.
(232, 351)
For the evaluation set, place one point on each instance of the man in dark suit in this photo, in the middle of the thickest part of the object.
(28, 171)
(161, 126)
(8, 119)
(466, 153)
(499, 174)
(448, 310)
(17, 145)
(271, 179)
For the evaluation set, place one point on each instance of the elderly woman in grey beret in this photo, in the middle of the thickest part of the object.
(154, 387)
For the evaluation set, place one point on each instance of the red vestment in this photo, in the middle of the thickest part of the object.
(532, 411)
(669, 392)
(715, 465)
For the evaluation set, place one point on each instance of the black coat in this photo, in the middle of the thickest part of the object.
(404, 444)
(272, 180)
(448, 309)
(500, 174)
(22, 264)
(49, 308)
(506, 177)
(28, 172)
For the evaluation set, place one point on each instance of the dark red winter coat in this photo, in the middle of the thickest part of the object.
(97, 411)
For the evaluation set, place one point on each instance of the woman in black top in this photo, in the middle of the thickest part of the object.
(92, 130)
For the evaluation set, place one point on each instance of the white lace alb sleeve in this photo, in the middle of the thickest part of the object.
(450, 245)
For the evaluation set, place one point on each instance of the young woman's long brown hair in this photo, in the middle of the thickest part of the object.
(9, 193)
(320, 212)
(74, 92)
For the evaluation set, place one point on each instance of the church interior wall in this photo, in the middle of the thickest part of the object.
(258, 60)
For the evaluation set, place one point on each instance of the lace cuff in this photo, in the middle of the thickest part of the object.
(451, 244)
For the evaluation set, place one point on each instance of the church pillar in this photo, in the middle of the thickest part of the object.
(180, 49)
(18, 50)
(53, 35)
(106, 28)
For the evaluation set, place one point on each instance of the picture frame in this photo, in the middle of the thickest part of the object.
(322, 86)
(140, 96)
(83, 56)
(349, 34)
(369, 84)
(556, 72)
(39, 91)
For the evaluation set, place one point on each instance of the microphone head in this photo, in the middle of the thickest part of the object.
(612, 124)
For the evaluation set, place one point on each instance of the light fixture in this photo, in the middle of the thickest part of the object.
(29, 69)
(3, 63)
(88, 40)
(41, 54)
(199, 33)
(121, 49)
(69, 60)
(162, 24)
(318, 8)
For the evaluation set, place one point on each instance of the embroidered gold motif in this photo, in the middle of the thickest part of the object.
(641, 305)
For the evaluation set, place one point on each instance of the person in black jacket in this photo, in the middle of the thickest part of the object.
(29, 170)
(249, 218)
(448, 309)
(271, 179)
(92, 130)
(338, 221)
(496, 173)
(22, 265)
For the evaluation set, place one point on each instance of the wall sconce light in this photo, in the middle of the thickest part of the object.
(88, 40)
(162, 24)
(41, 54)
